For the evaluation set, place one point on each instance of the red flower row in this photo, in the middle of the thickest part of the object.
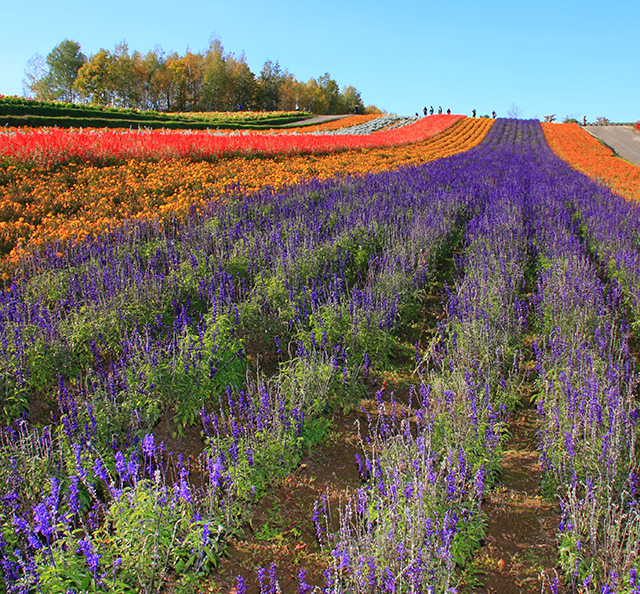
(44, 148)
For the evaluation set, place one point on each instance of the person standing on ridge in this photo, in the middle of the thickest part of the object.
(473, 111)
(431, 110)
(439, 108)
(424, 111)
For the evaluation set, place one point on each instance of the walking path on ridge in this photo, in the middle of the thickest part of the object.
(321, 119)
(625, 140)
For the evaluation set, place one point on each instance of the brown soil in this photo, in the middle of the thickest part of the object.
(519, 553)
(281, 530)
(520, 550)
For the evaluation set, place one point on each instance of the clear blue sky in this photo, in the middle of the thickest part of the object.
(547, 57)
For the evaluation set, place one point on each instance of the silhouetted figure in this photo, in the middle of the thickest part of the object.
(448, 111)
(431, 110)
(473, 111)
(440, 109)
(424, 111)
(356, 109)
(584, 120)
(493, 114)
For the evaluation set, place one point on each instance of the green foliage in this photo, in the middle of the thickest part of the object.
(19, 106)
(314, 432)
(468, 538)
(576, 565)
(56, 81)
(147, 532)
(199, 366)
(273, 455)
(153, 533)
(73, 121)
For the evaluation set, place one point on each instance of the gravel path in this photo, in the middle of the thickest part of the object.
(625, 140)
(384, 122)
(321, 119)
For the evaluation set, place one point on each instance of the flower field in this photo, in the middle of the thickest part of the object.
(588, 155)
(51, 147)
(249, 304)
(79, 200)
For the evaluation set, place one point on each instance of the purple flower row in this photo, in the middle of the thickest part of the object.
(427, 464)
(585, 384)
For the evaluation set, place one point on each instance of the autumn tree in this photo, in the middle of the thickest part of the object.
(351, 100)
(241, 86)
(331, 92)
(290, 93)
(127, 77)
(54, 80)
(209, 81)
(95, 81)
(215, 76)
(153, 70)
(187, 76)
(270, 82)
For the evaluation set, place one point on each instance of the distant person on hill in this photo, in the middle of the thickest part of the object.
(493, 114)
(424, 111)
(448, 111)
(355, 110)
(473, 111)
(584, 120)
(431, 110)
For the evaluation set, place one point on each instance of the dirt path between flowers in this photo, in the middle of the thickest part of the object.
(281, 530)
(624, 140)
(520, 550)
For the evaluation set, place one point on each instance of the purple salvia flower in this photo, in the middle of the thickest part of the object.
(241, 588)
(303, 587)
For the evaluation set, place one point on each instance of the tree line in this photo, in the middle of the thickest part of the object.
(213, 80)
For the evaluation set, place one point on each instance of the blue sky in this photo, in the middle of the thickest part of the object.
(560, 57)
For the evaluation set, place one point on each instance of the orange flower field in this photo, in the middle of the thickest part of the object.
(74, 201)
(589, 156)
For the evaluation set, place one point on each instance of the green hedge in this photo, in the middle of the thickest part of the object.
(35, 121)
(18, 111)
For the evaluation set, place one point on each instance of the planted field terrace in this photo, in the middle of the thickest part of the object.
(418, 375)
(18, 111)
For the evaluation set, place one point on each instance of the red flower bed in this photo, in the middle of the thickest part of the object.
(53, 146)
